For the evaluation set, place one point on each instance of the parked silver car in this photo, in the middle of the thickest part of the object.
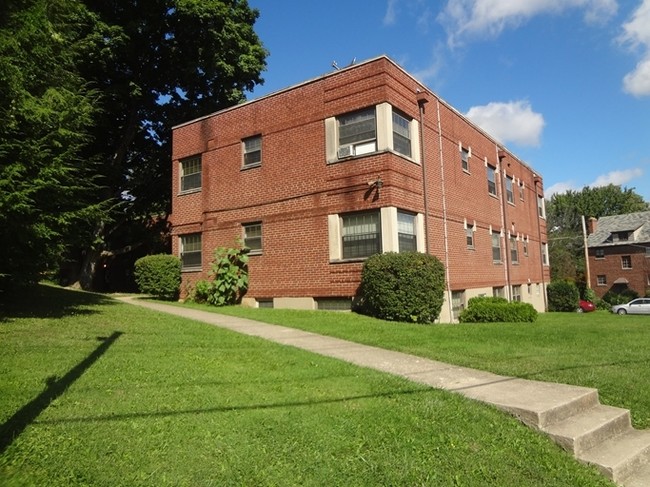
(640, 306)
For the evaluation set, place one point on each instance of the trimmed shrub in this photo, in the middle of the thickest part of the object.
(486, 299)
(563, 296)
(625, 296)
(159, 275)
(406, 286)
(497, 310)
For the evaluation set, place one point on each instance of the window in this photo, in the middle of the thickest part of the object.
(516, 292)
(357, 133)
(469, 236)
(361, 235)
(496, 247)
(464, 159)
(545, 253)
(457, 303)
(510, 196)
(191, 252)
(252, 151)
(406, 232)
(191, 174)
(521, 191)
(601, 280)
(491, 180)
(499, 292)
(253, 237)
(334, 304)
(621, 236)
(525, 246)
(401, 134)
(540, 207)
(626, 262)
(514, 250)
(265, 302)
(600, 253)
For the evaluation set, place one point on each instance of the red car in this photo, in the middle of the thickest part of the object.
(586, 306)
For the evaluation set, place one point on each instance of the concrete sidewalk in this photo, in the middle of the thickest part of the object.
(572, 416)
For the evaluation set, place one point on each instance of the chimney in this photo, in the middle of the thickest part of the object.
(592, 225)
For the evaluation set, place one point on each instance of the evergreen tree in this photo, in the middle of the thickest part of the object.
(46, 187)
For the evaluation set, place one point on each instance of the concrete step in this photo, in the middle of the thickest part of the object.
(621, 457)
(640, 478)
(537, 404)
(589, 428)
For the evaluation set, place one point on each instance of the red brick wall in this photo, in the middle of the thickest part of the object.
(294, 189)
(611, 267)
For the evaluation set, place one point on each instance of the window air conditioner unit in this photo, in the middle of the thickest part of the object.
(346, 151)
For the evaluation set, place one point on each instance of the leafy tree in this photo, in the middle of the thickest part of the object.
(156, 64)
(46, 109)
(563, 296)
(564, 222)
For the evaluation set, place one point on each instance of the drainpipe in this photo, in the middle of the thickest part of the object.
(537, 180)
(423, 100)
(444, 212)
(501, 155)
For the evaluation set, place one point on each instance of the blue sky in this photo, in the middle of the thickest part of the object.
(564, 84)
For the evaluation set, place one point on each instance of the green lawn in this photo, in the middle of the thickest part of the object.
(599, 349)
(95, 392)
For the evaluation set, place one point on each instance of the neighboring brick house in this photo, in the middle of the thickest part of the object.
(619, 253)
(317, 177)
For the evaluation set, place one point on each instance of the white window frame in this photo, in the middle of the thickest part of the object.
(407, 229)
(601, 280)
(195, 243)
(599, 254)
(252, 151)
(516, 292)
(514, 249)
(348, 230)
(626, 262)
(401, 126)
(465, 154)
(492, 179)
(496, 239)
(363, 142)
(190, 171)
(510, 195)
(457, 303)
(545, 254)
(252, 234)
(541, 207)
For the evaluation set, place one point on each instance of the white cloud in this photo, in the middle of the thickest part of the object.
(636, 34)
(428, 73)
(391, 14)
(488, 18)
(558, 188)
(618, 177)
(514, 122)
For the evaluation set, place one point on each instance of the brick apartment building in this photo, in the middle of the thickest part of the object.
(365, 159)
(619, 253)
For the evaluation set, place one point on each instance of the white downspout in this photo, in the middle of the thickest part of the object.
(444, 213)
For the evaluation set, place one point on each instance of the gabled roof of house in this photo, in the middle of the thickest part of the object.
(638, 223)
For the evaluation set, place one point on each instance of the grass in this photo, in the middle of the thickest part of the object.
(95, 392)
(599, 349)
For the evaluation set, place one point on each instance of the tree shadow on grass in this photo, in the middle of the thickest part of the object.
(55, 387)
(45, 301)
